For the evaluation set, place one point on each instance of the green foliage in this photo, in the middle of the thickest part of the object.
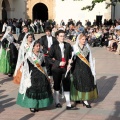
(94, 2)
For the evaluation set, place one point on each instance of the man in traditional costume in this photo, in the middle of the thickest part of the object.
(59, 55)
(22, 35)
(46, 41)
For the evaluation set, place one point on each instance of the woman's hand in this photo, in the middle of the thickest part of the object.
(7, 49)
(70, 61)
(62, 63)
(53, 58)
(68, 67)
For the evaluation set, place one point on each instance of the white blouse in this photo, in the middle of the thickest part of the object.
(62, 49)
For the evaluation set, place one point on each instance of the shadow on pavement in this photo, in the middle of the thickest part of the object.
(1, 97)
(116, 114)
(56, 116)
(2, 91)
(5, 80)
(5, 103)
(27, 117)
(105, 85)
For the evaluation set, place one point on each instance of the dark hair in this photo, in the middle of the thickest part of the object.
(107, 29)
(36, 42)
(48, 29)
(29, 35)
(59, 31)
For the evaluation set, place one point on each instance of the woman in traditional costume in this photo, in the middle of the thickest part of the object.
(24, 48)
(35, 91)
(41, 27)
(83, 82)
(31, 28)
(8, 53)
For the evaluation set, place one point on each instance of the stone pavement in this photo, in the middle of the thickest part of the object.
(106, 107)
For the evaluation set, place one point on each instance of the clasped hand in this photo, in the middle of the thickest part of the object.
(62, 63)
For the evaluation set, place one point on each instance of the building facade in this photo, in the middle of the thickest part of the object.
(52, 9)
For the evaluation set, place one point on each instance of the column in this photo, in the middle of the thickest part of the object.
(1, 13)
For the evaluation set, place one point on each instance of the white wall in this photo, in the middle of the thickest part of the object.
(72, 9)
(19, 11)
(67, 9)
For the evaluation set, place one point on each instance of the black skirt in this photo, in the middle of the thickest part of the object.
(83, 79)
(40, 86)
(13, 53)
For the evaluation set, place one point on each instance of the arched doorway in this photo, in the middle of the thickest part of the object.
(5, 8)
(40, 11)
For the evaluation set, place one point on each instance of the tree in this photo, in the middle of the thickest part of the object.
(94, 2)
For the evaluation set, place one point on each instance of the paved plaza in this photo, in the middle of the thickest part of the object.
(106, 107)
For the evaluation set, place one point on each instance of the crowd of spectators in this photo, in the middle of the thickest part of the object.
(106, 34)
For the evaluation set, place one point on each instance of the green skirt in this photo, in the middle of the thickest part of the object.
(33, 103)
(82, 96)
(5, 66)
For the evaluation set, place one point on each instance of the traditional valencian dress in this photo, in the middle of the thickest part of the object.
(24, 48)
(31, 28)
(83, 83)
(8, 53)
(35, 91)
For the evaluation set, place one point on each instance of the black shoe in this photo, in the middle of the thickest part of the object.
(71, 108)
(87, 106)
(32, 110)
(58, 105)
(10, 75)
(37, 110)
